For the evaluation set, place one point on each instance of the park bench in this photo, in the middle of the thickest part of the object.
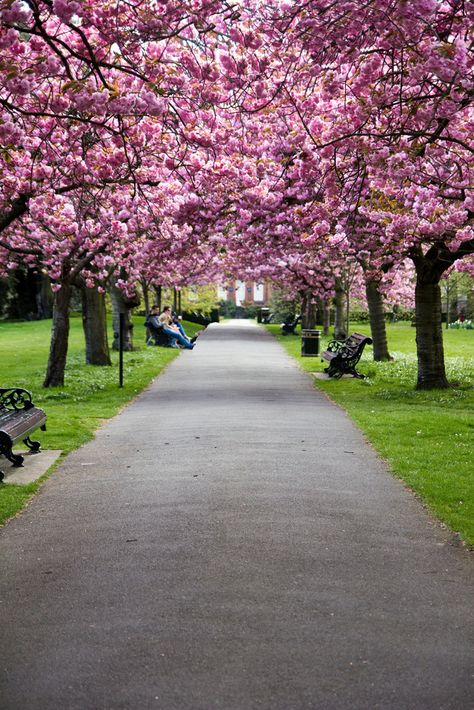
(288, 327)
(18, 419)
(343, 356)
(157, 335)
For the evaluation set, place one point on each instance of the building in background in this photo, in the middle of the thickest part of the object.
(246, 293)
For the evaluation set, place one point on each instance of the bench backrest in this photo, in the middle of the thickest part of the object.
(15, 398)
(356, 340)
(292, 323)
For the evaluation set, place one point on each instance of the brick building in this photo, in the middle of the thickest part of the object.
(246, 293)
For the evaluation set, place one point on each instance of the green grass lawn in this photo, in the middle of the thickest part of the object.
(427, 437)
(91, 394)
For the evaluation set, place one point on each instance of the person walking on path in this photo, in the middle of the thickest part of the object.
(230, 541)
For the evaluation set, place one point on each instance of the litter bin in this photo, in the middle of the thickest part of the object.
(310, 342)
(262, 315)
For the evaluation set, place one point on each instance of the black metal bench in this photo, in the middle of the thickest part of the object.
(288, 327)
(18, 419)
(157, 334)
(343, 356)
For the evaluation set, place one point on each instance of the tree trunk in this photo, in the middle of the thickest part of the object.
(429, 336)
(448, 305)
(94, 323)
(304, 307)
(146, 295)
(44, 297)
(326, 317)
(319, 311)
(119, 305)
(339, 326)
(308, 311)
(59, 337)
(22, 304)
(377, 321)
(158, 296)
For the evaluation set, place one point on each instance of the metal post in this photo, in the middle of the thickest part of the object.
(121, 328)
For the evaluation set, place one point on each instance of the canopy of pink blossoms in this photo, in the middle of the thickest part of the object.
(185, 142)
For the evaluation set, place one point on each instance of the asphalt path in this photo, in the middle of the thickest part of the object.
(231, 541)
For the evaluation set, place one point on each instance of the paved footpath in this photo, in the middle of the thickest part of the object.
(230, 541)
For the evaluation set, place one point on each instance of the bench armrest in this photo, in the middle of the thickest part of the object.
(334, 346)
(15, 398)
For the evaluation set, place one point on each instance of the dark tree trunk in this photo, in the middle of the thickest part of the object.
(94, 323)
(339, 324)
(158, 296)
(429, 336)
(304, 306)
(44, 297)
(22, 303)
(448, 306)
(308, 311)
(59, 338)
(120, 305)
(377, 321)
(146, 295)
(430, 267)
(319, 311)
(326, 316)
(146, 299)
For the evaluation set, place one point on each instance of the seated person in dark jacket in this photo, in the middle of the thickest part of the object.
(155, 330)
(171, 320)
(162, 328)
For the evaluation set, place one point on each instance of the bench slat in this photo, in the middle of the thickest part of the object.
(17, 425)
(18, 419)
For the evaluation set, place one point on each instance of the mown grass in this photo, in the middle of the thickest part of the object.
(426, 437)
(90, 396)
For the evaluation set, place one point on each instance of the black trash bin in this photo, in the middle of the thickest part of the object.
(262, 315)
(310, 342)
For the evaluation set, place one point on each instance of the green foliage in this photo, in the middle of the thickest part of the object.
(462, 324)
(250, 309)
(227, 309)
(90, 396)
(283, 306)
(427, 437)
(199, 299)
(359, 315)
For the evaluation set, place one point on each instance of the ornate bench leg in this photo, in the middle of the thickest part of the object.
(16, 459)
(34, 446)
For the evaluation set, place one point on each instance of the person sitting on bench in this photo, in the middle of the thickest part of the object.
(161, 331)
(171, 322)
(174, 321)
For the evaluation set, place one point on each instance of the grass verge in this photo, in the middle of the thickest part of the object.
(90, 396)
(426, 437)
